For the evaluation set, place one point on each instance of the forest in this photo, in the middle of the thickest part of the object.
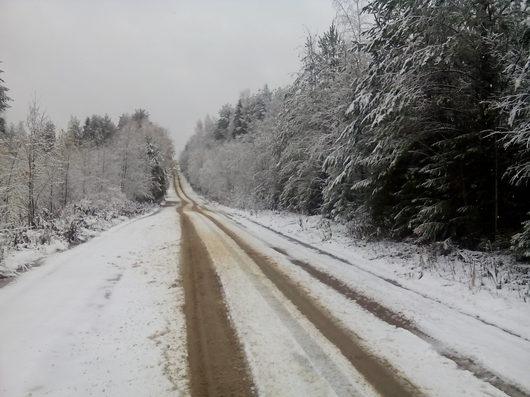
(407, 119)
(59, 183)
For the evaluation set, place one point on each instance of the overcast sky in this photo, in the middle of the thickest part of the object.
(177, 59)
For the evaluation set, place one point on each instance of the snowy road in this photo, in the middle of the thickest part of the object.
(187, 301)
(307, 325)
(102, 319)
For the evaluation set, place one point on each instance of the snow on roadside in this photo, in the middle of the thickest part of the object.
(104, 318)
(24, 248)
(19, 260)
(405, 264)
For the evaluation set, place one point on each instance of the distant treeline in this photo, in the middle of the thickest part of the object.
(410, 119)
(43, 171)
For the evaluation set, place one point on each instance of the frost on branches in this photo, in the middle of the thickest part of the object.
(408, 119)
(65, 185)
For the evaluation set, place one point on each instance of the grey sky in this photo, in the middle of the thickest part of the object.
(177, 59)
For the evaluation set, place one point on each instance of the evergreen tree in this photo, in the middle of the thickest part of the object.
(239, 122)
(140, 115)
(87, 134)
(124, 118)
(223, 123)
(263, 99)
(159, 179)
(312, 109)
(419, 152)
(417, 128)
(514, 106)
(74, 130)
(97, 130)
(4, 103)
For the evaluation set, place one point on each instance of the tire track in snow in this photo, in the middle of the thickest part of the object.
(383, 378)
(379, 374)
(388, 280)
(386, 314)
(216, 360)
(400, 321)
(395, 319)
(336, 378)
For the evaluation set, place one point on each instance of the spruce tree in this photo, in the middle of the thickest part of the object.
(4, 103)
(312, 109)
(240, 122)
(223, 123)
(514, 105)
(159, 179)
(419, 153)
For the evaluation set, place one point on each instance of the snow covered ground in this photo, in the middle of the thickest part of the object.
(446, 279)
(102, 319)
(91, 218)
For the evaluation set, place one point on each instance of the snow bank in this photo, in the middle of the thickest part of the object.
(23, 248)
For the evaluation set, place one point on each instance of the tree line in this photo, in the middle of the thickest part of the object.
(407, 119)
(44, 171)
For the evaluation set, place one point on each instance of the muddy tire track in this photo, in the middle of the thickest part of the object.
(384, 313)
(371, 273)
(399, 321)
(216, 360)
(379, 374)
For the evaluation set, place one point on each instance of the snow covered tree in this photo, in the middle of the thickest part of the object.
(514, 106)
(159, 179)
(97, 130)
(48, 177)
(239, 123)
(421, 125)
(66, 154)
(143, 164)
(74, 130)
(223, 123)
(31, 146)
(351, 19)
(42, 173)
(4, 103)
(416, 127)
(140, 115)
(313, 108)
(12, 190)
(261, 101)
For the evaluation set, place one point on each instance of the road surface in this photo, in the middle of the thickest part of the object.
(272, 299)
(187, 301)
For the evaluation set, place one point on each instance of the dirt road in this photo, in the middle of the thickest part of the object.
(254, 328)
(217, 362)
(191, 300)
